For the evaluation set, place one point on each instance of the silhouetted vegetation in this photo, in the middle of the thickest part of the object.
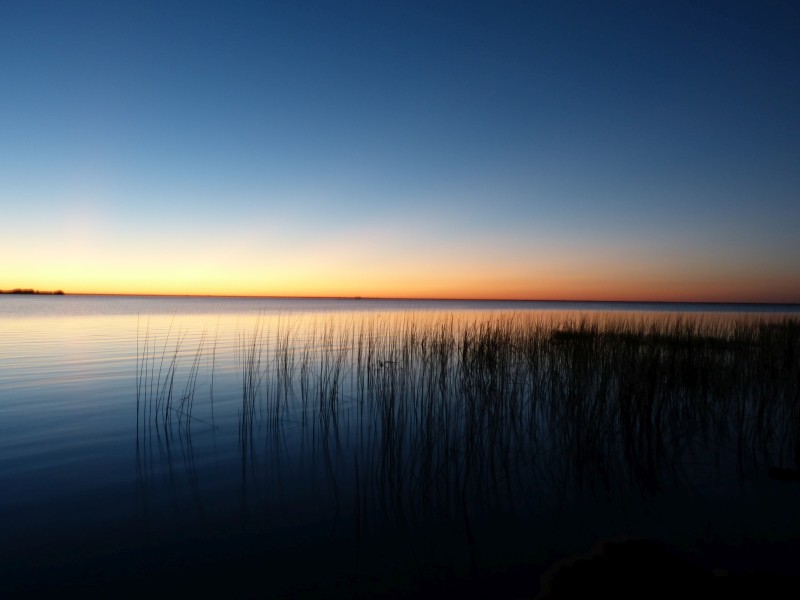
(417, 421)
(31, 291)
(437, 411)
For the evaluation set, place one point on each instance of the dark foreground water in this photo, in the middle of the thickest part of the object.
(341, 448)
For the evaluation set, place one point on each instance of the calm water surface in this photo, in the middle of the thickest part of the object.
(133, 445)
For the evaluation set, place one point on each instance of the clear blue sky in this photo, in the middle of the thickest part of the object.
(459, 149)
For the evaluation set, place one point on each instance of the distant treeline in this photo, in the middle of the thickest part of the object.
(28, 291)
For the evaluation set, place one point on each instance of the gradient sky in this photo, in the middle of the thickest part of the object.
(543, 150)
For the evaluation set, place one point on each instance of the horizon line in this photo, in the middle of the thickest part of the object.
(408, 298)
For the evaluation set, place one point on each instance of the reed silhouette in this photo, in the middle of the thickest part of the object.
(402, 422)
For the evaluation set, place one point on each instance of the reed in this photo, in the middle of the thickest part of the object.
(160, 408)
(415, 418)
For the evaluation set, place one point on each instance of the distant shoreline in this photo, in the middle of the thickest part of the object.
(27, 291)
(33, 292)
(425, 299)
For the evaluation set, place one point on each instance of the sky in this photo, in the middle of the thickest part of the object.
(522, 150)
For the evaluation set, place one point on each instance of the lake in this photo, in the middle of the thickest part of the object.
(334, 448)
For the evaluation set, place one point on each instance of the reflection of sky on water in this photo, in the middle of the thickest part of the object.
(343, 453)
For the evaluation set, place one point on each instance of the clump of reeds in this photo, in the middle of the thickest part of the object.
(444, 415)
(159, 403)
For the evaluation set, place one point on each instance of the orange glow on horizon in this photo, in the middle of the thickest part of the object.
(354, 272)
(423, 288)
